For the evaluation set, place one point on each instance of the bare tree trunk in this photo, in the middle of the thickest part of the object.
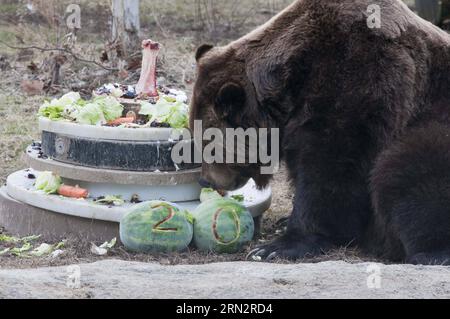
(126, 24)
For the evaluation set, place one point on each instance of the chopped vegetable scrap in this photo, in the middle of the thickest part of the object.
(23, 247)
(103, 249)
(73, 191)
(167, 110)
(51, 183)
(111, 200)
(48, 182)
(71, 107)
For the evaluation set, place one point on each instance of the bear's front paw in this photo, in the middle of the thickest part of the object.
(290, 248)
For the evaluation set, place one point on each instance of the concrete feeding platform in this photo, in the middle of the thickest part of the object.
(23, 220)
(121, 177)
(21, 188)
(173, 193)
(24, 211)
(117, 154)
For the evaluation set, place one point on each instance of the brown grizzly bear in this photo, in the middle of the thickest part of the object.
(364, 118)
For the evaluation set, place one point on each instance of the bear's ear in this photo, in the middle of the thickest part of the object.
(230, 100)
(201, 51)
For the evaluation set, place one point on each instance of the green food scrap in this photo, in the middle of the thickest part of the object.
(4, 251)
(115, 200)
(73, 108)
(109, 245)
(167, 110)
(43, 249)
(48, 182)
(18, 251)
(238, 198)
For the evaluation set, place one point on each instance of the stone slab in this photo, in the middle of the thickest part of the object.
(237, 280)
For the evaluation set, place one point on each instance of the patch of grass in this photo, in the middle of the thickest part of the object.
(18, 128)
(9, 8)
(6, 35)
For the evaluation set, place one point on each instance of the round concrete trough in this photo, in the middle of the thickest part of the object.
(24, 211)
(121, 177)
(108, 133)
(173, 193)
(21, 187)
(21, 219)
(115, 154)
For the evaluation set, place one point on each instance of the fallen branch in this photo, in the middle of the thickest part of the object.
(74, 55)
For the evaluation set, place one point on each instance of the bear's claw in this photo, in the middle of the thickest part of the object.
(432, 259)
(287, 248)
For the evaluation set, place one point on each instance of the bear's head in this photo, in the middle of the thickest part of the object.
(224, 97)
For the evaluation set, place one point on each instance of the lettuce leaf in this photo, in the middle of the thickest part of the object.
(62, 108)
(48, 182)
(91, 114)
(111, 108)
(69, 98)
(178, 115)
(167, 110)
(52, 110)
(72, 107)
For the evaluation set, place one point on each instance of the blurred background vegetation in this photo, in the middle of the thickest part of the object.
(29, 75)
(85, 58)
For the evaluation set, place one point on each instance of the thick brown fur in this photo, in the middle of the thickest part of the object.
(364, 116)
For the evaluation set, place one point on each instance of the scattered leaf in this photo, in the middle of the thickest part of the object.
(123, 74)
(8, 239)
(32, 87)
(110, 244)
(98, 251)
(238, 198)
(104, 248)
(19, 251)
(56, 253)
(4, 251)
(115, 200)
(30, 238)
(60, 245)
(43, 249)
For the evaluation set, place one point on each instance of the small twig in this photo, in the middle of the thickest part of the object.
(155, 17)
(76, 57)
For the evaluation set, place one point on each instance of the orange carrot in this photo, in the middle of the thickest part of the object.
(72, 192)
(122, 120)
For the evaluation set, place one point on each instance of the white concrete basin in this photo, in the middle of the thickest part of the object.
(21, 188)
(108, 133)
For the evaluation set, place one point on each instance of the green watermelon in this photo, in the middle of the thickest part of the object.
(222, 225)
(156, 227)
